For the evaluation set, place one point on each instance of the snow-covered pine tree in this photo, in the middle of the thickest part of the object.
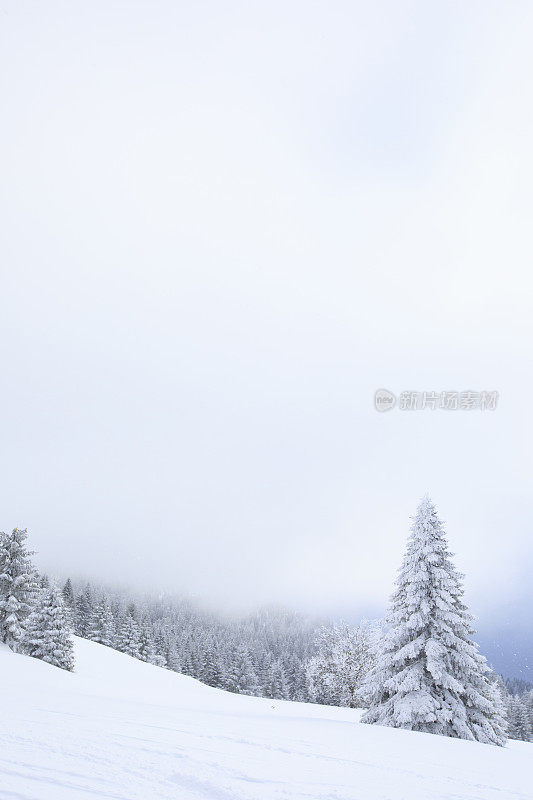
(497, 692)
(18, 585)
(276, 684)
(187, 667)
(430, 676)
(146, 644)
(345, 655)
(210, 673)
(127, 640)
(173, 660)
(523, 729)
(84, 607)
(47, 630)
(68, 594)
(529, 706)
(160, 659)
(101, 625)
(298, 682)
(510, 708)
(69, 601)
(195, 660)
(241, 677)
(263, 668)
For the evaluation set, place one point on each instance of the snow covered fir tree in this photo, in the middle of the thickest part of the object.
(345, 655)
(430, 675)
(18, 584)
(33, 616)
(47, 633)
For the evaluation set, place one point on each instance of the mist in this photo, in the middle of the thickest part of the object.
(224, 228)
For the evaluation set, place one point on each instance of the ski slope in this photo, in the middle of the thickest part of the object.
(124, 730)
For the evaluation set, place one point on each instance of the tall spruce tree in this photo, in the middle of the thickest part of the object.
(128, 639)
(241, 677)
(276, 686)
(429, 675)
(47, 630)
(101, 625)
(146, 644)
(523, 728)
(83, 611)
(18, 585)
(68, 594)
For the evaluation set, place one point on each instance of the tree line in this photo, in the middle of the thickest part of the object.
(419, 670)
(272, 653)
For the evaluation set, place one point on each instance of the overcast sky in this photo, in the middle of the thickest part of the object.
(224, 226)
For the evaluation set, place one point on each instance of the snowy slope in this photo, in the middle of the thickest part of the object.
(121, 729)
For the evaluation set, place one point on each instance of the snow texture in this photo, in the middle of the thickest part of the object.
(121, 729)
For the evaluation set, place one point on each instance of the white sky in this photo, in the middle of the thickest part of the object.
(224, 225)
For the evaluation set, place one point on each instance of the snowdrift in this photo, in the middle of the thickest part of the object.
(121, 729)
